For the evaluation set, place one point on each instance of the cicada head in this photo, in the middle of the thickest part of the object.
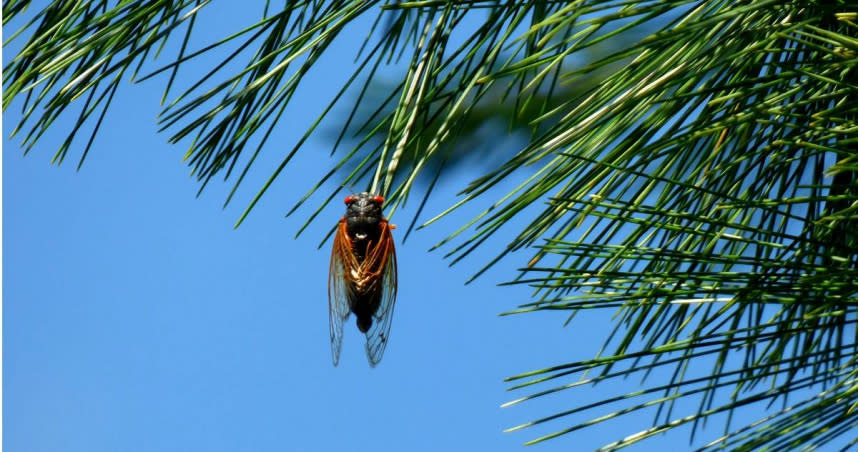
(364, 204)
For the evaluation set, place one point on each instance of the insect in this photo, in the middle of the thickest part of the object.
(362, 278)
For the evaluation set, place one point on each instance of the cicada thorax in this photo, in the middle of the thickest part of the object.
(364, 232)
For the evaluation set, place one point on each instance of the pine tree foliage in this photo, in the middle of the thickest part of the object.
(705, 189)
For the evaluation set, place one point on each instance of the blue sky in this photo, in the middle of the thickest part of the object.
(137, 319)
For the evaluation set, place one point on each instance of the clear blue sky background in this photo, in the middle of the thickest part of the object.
(137, 319)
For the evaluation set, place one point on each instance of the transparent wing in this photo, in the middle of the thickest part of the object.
(342, 263)
(379, 332)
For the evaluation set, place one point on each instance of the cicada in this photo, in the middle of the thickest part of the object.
(362, 278)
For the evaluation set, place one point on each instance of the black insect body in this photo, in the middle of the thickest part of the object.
(362, 277)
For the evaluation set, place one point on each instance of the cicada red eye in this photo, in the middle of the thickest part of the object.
(349, 199)
(378, 199)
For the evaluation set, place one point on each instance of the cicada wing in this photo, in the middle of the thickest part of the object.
(341, 266)
(379, 332)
